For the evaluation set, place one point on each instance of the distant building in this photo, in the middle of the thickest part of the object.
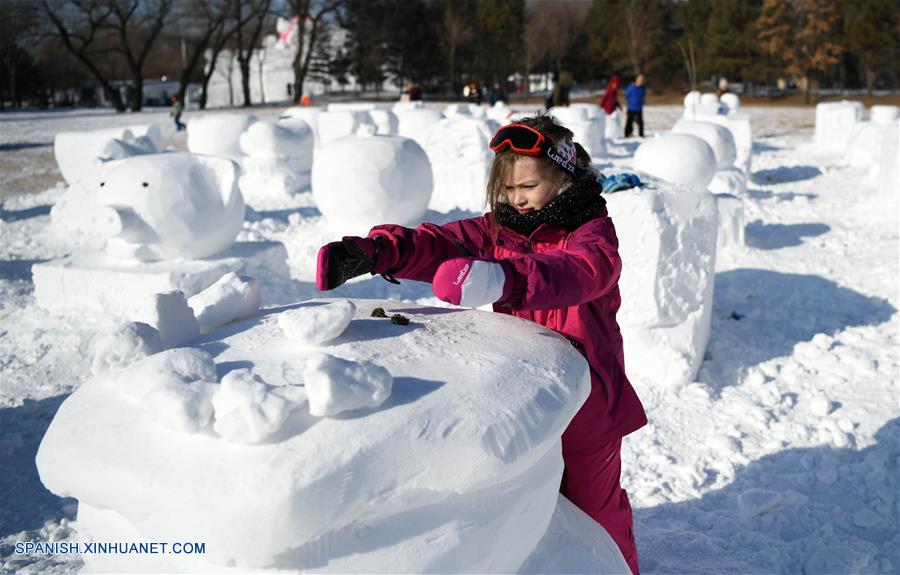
(272, 72)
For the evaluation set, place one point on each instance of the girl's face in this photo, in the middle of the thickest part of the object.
(527, 189)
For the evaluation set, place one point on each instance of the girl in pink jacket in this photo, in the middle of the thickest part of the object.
(547, 252)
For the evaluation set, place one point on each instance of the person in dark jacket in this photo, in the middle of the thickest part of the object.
(546, 252)
(634, 96)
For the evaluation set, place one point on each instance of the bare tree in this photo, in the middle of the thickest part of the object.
(204, 21)
(642, 30)
(690, 61)
(554, 25)
(18, 27)
(137, 24)
(79, 24)
(246, 44)
(311, 14)
(457, 31)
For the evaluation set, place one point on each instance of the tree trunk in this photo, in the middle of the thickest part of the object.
(137, 95)
(245, 80)
(870, 80)
(13, 95)
(806, 96)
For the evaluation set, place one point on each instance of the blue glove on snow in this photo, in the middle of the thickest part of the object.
(619, 182)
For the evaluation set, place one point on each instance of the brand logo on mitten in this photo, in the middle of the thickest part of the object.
(462, 275)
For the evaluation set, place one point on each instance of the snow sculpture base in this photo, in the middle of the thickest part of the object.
(834, 124)
(96, 282)
(667, 236)
(458, 472)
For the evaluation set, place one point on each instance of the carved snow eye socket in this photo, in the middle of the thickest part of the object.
(145, 184)
(102, 184)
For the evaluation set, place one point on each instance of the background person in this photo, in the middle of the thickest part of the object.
(634, 97)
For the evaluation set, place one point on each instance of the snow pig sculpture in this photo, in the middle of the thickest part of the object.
(171, 206)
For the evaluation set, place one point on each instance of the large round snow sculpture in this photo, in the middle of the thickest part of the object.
(718, 137)
(416, 123)
(678, 158)
(363, 180)
(171, 206)
(218, 134)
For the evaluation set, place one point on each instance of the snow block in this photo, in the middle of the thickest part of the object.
(460, 161)
(865, 142)
(834, 124)
(316, 324)
(278, 159)
(718, 137)
(668, 235)
(885, 172)
(360, 181)
(96, 282)
(731, 102)
(384, 119)
(732, 222)
(587, 124)
(171, 206)
(77, 152)
(436, 479)
(218, 134)
(232, 297)
(417, 123)
(884, 114)
(170, 314)
(682, 159)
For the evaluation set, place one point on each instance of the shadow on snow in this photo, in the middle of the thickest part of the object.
(775, 236)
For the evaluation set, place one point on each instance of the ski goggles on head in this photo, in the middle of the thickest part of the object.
(527, 141)
(520, 138)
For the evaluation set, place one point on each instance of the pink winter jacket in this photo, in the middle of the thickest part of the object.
(566, 281)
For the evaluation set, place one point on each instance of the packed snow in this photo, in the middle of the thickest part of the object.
(775, 449)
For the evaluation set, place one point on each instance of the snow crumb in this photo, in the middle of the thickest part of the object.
(232, 297)
(336, 385)
(171, 367)
(123, 345)
(169, 313)
(249, 411)
(316, 323)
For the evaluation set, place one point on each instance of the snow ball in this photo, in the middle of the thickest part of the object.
(249, 411)
(819, 405)
(217, 134)
(756, 502)
(336, 385)
(123, 345)
(232, 297)
(678, 158)
(167, 368)
(362, 181)
(315, 324)
(822, 341)
(755, 377)
(718, 137)
(170, 314)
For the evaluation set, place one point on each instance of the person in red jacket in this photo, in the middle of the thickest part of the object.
(546, 252)
(610, 100)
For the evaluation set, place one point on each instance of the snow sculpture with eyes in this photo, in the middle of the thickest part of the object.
(170, 206)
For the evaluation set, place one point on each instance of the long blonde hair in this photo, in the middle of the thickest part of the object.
(502, 166)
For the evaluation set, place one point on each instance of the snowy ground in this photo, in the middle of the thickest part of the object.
(781, 458)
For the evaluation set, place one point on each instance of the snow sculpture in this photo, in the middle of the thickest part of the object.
(77, 152)
(339, 123)
(884, 114)
(378, 485)
(278, 159)
(417, 123)
(834, 124)
(218, 134)
(380, 115)
(308, 114)
(697, 105)
(362, 180)
(731, 102)
(460, 160)
(613, 127)
(668, 234)
(171, 206)
(586, 123)
(885, 170)
(868, 138)
(465, 110)
(682, 159)
(719, 139)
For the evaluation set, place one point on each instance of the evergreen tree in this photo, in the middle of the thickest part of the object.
(500, 24)
(871, 38)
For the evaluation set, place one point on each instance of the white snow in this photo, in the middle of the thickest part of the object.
(718, 137)
(218, 134)
(682, 159)
(316, 323)
(278, 159)
(123, 345)
(834, 124)
(362, 180)
(170, 314)
(457, 147)
(77, 152)
(334, 124)
(249, 411)
(794, 395)
(417, 123)
(336, 385)
(587, 124)
(232, 297)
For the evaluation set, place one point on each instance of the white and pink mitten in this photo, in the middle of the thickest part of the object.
(469, 282)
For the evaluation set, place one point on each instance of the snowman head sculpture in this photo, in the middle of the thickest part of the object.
(170, 206)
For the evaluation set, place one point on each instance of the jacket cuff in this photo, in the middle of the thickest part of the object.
(516, 283)
(387, 251)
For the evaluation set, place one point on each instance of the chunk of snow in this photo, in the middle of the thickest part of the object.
(336, 385)
(170, 368)
(170, 314)
(460, 160)
(360, 181)
(218, 134)
(127, 146)
(123, 345)
(834, 124)
(172, 206)
(682, 159)
(249, 411)
(313, 324)
(756, 502)
(232, 297)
